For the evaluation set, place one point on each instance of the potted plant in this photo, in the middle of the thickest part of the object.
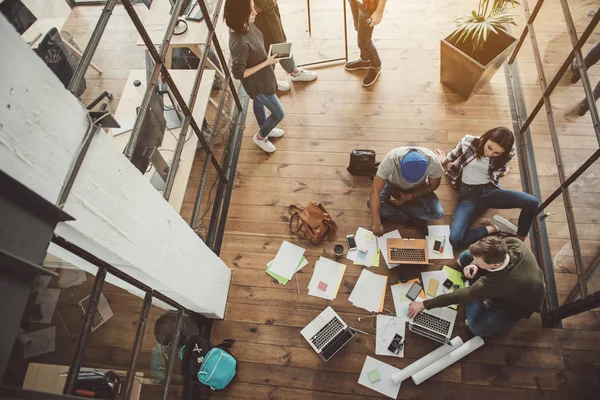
(479, 45)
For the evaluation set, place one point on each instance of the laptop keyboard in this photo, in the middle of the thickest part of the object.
(336, 344)
(432, 322)
(407, 255)
(330, 329)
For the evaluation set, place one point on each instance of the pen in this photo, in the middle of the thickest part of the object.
(442, 246)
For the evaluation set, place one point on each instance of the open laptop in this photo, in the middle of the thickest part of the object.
(327, 333)
(407, 251)
(435, 324)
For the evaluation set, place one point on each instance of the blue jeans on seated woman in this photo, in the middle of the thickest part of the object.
(484, 321)
(270, 101)
(475, 199)
(427, 207)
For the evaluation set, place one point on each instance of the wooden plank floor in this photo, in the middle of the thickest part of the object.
(324, 121)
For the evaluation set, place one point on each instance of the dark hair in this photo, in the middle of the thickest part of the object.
(237, 13)
(492, 249)
(501, 135)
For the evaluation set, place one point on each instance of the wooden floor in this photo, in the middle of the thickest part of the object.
(324, 121)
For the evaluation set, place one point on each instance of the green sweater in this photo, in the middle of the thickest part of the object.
(520, 286)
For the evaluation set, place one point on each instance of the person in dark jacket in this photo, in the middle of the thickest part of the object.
(508, 286)
(250, 64)
(268, 21)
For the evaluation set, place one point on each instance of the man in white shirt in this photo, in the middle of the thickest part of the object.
(402, 190)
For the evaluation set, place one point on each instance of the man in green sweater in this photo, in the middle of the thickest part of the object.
(508, 286)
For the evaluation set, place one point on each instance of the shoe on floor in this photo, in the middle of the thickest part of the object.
(582, 108)
(503, 225)
(372, 76)
(275, 133)
(574, 71)
(357, 64)
(283, 86)
(305, 76)
(265, 145)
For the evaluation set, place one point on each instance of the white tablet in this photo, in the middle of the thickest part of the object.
(283, 50)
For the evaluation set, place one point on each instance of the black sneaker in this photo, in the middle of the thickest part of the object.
(583, 108)
(356, 65)
(372, 76)
(574, 72)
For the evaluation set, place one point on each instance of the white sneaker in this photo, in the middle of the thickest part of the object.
(275, 133)
(503, 225)
(283, 86)
(305, 76)
(265, 145)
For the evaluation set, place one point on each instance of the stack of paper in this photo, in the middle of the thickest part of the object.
(289, 259)
(367, 251)
(326, 279)
(369, 291)
(382, 243)
(442, 232)
(441, 276)
(280, 278)
(387, 328)
(401, 302)
(383, 382)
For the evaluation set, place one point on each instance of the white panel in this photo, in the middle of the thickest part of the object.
(48, 8)
(120, 217)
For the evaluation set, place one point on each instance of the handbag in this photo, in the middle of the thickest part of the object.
(362, 163)
(312, 222)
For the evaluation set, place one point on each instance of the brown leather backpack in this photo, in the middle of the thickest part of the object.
(312, 223)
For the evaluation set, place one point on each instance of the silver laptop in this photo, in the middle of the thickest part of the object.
(435, 324)
(327, 334)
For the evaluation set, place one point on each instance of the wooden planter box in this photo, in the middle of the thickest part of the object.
(465, 72)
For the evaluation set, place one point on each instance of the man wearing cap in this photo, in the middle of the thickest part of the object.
(402, 190)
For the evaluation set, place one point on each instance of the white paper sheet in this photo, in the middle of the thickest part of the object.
(387, 328)
(385, 385)
(444, 231)
(48, 298)
(401, 302)
(427, 276)
(71, 277)
(382, 243)
(368, 291)
(362, 243)
(328, 272)
(287, 259)
(42, 342)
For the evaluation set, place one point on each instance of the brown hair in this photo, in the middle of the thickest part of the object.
(237, 13)
(492, 249)
(501, 135)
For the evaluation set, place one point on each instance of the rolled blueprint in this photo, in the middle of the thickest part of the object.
(447, 360)
(425, 361)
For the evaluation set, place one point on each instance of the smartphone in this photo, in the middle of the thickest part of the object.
(438, 244)
(351, 242)
(414, 291)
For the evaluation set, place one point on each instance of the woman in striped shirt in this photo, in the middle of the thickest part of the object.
(475, 167)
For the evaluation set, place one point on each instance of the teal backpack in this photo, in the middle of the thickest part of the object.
(217, 369)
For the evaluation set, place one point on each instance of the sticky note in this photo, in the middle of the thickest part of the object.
(360, 256)
(322, 286)
(405, 311)
(374, 375)
(368, 236)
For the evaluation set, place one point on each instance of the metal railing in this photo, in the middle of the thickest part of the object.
(553, 313)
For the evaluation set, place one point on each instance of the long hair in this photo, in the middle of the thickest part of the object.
(236, 14)
(501, 135)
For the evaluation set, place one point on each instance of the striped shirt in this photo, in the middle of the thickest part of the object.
(464, 153)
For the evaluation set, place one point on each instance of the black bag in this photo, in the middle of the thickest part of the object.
(362, 163)
(192, 354)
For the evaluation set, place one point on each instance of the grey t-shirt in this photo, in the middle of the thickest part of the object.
(390, 167)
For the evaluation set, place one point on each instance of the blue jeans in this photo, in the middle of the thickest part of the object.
(271, 101)
(486, 321)
(475, 199)
(365, 43)
(427, 207)
(288, 65)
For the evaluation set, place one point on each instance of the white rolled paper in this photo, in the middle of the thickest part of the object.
(427, 360)
(447, 360)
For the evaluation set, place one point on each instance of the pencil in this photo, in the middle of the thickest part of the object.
(297, 284)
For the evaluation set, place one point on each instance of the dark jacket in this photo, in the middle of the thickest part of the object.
(519, 287)
(268, 21)
(247, 50)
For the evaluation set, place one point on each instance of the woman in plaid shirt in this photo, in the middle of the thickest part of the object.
(475, 167)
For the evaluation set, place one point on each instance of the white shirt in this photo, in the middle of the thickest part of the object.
(477, 172)
(500, 268)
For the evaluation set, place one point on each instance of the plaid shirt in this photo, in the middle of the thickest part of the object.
(464, 153)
